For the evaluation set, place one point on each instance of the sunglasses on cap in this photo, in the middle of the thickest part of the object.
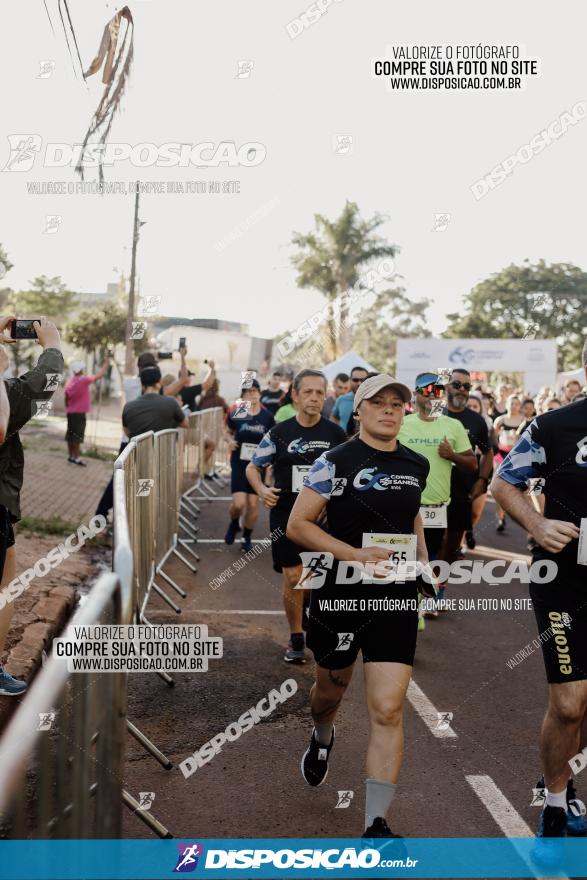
(466, 386)
(431, 390)
(429, 385)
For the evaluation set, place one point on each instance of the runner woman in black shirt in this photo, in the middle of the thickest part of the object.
(370, 488)
(292, 447)
(554, 448)
(245, 425)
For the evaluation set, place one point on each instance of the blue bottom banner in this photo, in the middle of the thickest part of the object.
(292, 857)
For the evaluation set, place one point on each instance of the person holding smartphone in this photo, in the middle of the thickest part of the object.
(23, 396)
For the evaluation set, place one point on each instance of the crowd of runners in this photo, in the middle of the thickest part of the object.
(367, 485)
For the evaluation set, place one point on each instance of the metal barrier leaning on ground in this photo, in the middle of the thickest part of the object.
(62, 754)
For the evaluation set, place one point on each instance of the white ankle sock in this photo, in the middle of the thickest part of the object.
(556, 799)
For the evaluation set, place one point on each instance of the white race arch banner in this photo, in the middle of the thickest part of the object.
(536, 358)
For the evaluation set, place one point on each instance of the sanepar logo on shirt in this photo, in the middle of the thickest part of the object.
(367, 478)
(299, 446)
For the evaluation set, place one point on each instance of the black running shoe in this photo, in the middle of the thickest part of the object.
(500, 527)
(231, 532)
(380, 828)
(295, 651)
(553, 822)
(576, 821)
(548, 847)
(315, 761)
(470, 539)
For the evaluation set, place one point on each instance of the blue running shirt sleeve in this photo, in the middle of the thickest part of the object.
(265, 452)
(321, 477)
(525, 461)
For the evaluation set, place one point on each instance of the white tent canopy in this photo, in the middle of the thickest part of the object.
(344, 364)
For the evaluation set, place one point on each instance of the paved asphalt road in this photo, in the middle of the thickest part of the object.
(477, 782)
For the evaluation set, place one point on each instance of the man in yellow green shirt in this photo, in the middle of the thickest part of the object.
(444, 443)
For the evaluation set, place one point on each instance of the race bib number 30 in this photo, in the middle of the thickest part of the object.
(298, 472)
(247, 451)
(433, 516)
(403, 546)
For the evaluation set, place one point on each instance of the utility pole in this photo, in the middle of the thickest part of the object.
(129, 365)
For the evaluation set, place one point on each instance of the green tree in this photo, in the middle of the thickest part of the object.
(46, 296)
(5, 264)
(376, 326)
(335, 258)
(97, 330)
(531, 301)
(390, 317)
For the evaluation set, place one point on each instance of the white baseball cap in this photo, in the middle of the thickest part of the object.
(77, 366)
(370, 387)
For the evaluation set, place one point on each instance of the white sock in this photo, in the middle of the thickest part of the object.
(556, 799)
(378, 797)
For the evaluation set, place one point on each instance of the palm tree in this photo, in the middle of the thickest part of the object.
(333, 258)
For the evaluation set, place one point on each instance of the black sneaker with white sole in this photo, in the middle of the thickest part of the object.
(315, 761)
(295, 651)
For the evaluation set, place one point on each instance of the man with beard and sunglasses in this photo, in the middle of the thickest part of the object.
(465, 487)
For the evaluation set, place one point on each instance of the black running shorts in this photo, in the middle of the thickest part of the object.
(285, 553)
(434, 539)
(238, 478)
(385, 632)
(562, 629)
(459, 515)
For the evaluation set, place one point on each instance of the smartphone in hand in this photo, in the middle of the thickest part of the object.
(23, 329)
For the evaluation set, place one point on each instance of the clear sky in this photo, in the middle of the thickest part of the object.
(414, 154)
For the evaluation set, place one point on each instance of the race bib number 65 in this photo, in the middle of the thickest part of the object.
(403, 546)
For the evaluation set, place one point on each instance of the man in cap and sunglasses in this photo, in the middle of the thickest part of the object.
(465, 486)
(370, 488)
(444, 443)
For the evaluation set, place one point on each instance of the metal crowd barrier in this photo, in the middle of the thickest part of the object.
(151, 473)
(206, 485)
(62, 754)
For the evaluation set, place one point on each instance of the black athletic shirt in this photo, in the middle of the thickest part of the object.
(189, 394)
(289, 445)
(554, 448)
(369, 490)
(272, 399)
(247, 430)
(475, 425)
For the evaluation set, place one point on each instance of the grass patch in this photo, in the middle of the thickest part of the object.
(53, 525)
(100, 454)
